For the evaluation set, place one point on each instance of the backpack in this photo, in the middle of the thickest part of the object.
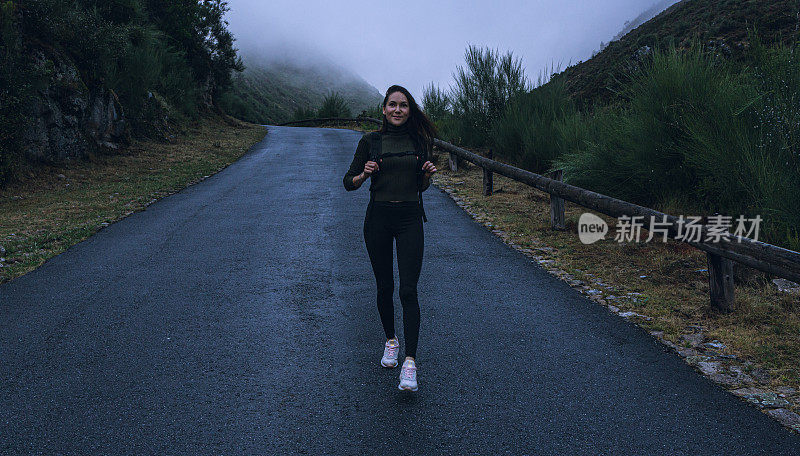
(375, 155)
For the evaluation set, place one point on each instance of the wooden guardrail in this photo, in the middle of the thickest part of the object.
(721, 255)
(331, 119)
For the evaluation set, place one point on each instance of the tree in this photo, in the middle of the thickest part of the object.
(198, 29)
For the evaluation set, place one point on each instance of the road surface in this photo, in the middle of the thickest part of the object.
(238, 317)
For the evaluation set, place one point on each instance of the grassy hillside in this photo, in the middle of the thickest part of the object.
(721, 25)
(271, 92)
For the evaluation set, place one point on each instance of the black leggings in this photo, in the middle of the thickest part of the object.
(402, 221)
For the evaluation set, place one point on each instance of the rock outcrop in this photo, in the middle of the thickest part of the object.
(70, 120)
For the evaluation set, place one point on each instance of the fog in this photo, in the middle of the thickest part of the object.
(415, 42)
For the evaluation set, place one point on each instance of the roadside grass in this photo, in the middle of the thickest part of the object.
(666, 282)
(56, 207)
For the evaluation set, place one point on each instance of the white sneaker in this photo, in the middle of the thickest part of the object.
(390, 353)
(408, 376)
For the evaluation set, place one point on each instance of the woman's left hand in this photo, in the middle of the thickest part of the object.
(428, 168)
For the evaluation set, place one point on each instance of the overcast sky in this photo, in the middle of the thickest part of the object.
(413, 43)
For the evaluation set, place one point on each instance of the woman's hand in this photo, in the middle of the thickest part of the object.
(428, 168)
(369, 168)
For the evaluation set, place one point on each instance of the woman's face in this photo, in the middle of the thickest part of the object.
(396, 109)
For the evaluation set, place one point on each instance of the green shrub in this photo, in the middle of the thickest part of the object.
(482, 90)
(748, 153)
(376, 112)
(334, 105)
(594, 157)
(699, 136)
(639, 152)
(19, 80)
(148, 64)
(304, 113)
(527, 133)
(435, 103)
(779, 133)
(179, 48)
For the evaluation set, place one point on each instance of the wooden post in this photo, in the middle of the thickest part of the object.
(557, 204)
(488, 184)
(720, 282)
(453, 162)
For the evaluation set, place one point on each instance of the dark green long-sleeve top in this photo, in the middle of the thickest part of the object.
(398, 179)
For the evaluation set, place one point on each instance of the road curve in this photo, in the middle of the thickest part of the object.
(238, 317)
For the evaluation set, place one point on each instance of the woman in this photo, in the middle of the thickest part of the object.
(396, 159)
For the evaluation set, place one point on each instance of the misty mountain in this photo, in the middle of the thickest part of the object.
(269, 91)
(646, 15)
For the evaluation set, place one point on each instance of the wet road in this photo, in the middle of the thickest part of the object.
(237, 317)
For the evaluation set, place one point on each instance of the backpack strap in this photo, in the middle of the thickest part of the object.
(421, 158)
(374, 146)
(374, 152)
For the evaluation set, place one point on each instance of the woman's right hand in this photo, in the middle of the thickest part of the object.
(369, 168)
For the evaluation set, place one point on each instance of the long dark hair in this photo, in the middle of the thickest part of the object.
(420, 128)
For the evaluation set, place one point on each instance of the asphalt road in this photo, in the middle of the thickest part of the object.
(238, 317)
